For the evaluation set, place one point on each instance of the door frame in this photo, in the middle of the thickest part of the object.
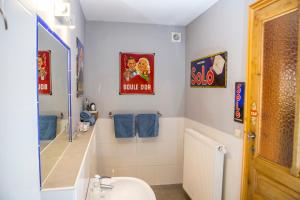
(246, 153)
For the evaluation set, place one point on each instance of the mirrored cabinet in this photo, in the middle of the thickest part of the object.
(54, 104)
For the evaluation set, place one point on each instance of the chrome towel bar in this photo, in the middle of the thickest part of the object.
(110, 114)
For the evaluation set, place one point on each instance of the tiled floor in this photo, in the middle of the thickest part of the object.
(170, 192)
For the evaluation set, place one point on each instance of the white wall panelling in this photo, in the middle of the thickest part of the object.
(155, 160)
(233, 157)
(160, 160)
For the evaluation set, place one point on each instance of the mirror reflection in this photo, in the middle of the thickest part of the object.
(52, 72)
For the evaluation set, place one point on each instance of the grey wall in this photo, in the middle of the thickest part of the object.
(19, 146)
(19, 153)
(58, 101)
(221, 28)
(105, 40)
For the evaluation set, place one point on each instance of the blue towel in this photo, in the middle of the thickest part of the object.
(92, 120)
(147, 125)
(47, 126)
(86, 116)
(124, 125)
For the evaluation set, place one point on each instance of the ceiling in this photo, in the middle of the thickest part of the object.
(166, 12)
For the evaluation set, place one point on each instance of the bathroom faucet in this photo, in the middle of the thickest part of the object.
(104, 186)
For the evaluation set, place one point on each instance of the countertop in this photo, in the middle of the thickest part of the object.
(65, 172)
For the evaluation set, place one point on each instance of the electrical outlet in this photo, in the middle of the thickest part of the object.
(238, 132)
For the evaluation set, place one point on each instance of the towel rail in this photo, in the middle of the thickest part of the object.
(110, 114)
(3, 17)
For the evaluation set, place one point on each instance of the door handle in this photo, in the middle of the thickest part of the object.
(251, 136)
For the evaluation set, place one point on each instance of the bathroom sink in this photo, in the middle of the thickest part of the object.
(123, 188)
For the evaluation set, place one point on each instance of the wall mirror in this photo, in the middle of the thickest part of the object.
(54, 97)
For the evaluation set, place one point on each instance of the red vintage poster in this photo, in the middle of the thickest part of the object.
(44, 72)
(136, 73)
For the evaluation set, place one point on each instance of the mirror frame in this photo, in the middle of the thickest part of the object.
(41, 22)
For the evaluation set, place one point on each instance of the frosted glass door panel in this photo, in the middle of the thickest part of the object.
(279, 88)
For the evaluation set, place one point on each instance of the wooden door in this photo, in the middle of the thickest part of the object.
(271, 142)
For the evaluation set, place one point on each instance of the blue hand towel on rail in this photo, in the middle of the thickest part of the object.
(47, 127)
(147, 125)
(124, 125)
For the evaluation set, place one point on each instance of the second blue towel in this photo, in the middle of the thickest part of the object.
(147, 125)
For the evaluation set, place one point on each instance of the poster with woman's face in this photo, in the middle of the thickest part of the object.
(44, 72)
(136, 73)
(79, 68)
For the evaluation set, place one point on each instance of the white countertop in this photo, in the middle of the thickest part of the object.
(65, 172)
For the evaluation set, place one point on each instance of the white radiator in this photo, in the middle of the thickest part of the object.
(203, 166)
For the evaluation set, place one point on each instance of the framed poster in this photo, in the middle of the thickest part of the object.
(44, 72)
(239, 99)
(79, 68)
(210, 71)
(136, 73)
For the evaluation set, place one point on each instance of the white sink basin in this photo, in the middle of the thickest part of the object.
(124, 188)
